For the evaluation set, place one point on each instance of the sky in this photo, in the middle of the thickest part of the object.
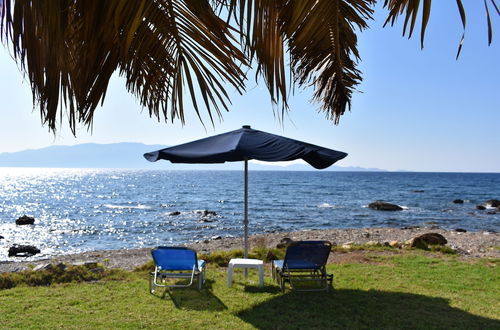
(417, 110)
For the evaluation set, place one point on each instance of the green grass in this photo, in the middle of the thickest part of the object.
(57, 274)
(411, 290)
(380, 247)
(221, 258)
(362, 247)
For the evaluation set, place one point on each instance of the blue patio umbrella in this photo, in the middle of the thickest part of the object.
(245, 144)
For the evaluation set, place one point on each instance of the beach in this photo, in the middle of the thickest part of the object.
(469, 245)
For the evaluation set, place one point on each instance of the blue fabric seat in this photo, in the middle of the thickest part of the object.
(305, 262)
(172, 262)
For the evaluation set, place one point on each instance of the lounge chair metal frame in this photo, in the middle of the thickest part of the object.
(304, 262)
(159, 277)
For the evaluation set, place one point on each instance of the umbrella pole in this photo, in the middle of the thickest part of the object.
(245, 221)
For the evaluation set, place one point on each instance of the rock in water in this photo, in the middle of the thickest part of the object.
(23, 251)
(458, 201)
(174, 213)
(493, 203)
(25, 220)
(480, 207)
(208, 213)
(383, 206)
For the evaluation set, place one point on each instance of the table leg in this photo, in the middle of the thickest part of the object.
(261, 277)
(230, 276)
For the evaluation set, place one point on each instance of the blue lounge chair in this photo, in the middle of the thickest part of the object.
(177, 263)
(305, 262)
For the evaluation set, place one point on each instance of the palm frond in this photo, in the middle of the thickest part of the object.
(488, 19)
(70, 49)
(319, 36)
(167, 49)
(464, 19)
(262, 42)
(410, 8)
(323, 48)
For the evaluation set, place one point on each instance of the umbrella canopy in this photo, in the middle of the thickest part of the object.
(245, 144)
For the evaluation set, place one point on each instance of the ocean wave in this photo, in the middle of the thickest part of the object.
(327, 205)
(121, 207)
(166, 205)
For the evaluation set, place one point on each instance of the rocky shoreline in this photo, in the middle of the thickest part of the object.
(483, 244)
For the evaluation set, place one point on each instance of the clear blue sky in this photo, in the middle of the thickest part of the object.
(419, 110)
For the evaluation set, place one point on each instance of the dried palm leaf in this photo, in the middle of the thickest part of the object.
(167, 49)
(319, 37)
(410, 8)
(70, 49)
(323, 48)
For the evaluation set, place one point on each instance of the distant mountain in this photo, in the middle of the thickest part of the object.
(89, 155)
(127, 155)
(306, 167)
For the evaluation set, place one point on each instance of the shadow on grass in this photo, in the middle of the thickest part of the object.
(192, 299)
(267, 289)
(356, 309)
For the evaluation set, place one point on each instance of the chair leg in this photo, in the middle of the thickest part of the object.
(278, 276)
(151, 284)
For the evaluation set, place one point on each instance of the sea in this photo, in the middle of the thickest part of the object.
(78, 210)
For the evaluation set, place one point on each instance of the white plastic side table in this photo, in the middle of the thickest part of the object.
(245, 263)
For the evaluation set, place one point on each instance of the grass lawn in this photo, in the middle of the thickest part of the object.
(385, 291)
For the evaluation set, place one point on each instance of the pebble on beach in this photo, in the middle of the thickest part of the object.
(467, 244)
(422, 241)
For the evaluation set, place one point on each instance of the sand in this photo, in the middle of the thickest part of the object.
(483, 244)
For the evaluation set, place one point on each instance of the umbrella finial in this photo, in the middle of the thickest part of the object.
(246, 126)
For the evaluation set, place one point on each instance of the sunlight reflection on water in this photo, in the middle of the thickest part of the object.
(90, 209)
